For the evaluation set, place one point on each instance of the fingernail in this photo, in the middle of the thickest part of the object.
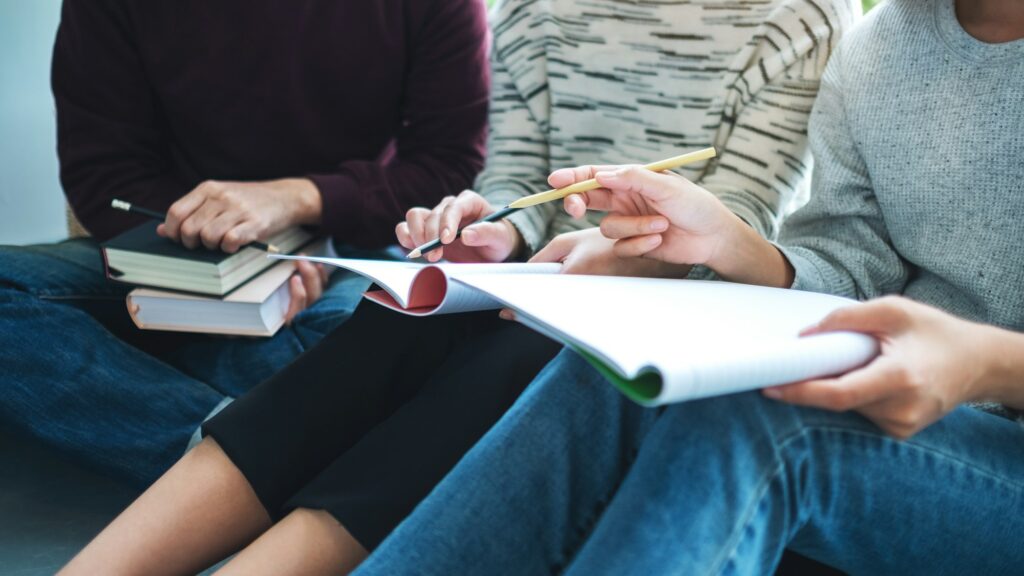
(469, 235)
(505, 315)
(653, 241)
(773, 393)
(659, 225)
(606, 176)
(446, 234)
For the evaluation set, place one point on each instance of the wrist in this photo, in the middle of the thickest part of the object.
(306, 201)
(744, 256)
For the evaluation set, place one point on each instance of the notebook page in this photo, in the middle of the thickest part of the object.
(704, 338)
(460, 297)
(395, 277)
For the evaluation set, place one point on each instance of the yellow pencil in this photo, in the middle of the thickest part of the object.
(577, 188)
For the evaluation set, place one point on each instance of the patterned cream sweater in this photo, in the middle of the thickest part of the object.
(613, 81)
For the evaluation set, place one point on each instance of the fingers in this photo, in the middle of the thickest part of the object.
(212, 234)
(861, 387)
(190, 231)
(298, 300)
(637, 246)
(882, 316)
(575, 206)
(432, 224)
(182, 209)
(556, 250)
(619, 227)
(239, 236)
(655, 186)
(489, 234)
(569, 176)
(600, 199)
(404, 236)
(311, 280)
(415, 220)
(468, 207)
(507, 314)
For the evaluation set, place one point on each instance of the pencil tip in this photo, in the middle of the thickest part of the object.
(271, 249)
(413, 255)
(119, 204)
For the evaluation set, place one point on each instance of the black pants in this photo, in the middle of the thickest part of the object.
(365, 424)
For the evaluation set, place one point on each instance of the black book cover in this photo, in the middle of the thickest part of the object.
(144, 239)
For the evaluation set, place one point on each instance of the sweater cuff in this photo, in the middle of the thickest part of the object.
(342, 205)
(533, 238)
(808, 276)
(765, 229)
(701, 272)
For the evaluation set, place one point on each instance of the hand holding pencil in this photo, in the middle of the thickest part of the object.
(444, 234)
(487, 237)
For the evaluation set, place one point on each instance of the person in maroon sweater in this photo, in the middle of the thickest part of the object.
(240, 118)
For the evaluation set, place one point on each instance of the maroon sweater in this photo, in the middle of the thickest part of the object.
(382, 103)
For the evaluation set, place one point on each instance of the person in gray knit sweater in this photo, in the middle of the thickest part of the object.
(917, 198)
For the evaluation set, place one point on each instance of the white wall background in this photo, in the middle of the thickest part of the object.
(31, 203)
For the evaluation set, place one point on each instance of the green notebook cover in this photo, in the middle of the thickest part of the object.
(642, 389)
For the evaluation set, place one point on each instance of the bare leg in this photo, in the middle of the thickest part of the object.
(199, 512)
(306, 542)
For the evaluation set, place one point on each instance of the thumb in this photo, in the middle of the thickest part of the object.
(654, 186)
(488, 235)
(555, 251)
(879, 317)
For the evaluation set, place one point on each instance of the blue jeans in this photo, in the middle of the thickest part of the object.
(577, 479)
(77, 374)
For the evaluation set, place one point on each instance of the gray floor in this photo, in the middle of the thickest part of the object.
(49, 509)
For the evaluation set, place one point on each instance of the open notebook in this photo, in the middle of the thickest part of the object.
(659, 341)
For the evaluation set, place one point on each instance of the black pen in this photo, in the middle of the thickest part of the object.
(129, 207)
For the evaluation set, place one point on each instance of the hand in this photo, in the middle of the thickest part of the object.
(229, 215)
(305, 287)
(666, 217)
(656, 215)
(589, 252)
(484, 242)
(930, 362)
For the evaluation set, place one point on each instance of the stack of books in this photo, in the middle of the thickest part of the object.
(205, 291)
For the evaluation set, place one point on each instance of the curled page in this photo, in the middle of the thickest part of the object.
(426, 289)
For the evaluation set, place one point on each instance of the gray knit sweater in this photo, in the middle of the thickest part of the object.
(918, 186)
